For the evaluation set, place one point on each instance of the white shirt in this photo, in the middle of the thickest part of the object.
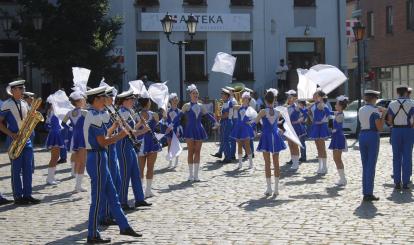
(282, 71)
(401, 118)
(253, 103)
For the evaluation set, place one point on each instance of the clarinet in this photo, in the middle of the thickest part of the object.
(154, 138)
(115, 116)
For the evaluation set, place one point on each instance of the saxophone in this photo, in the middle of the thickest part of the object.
(218, 105)
(33, 117)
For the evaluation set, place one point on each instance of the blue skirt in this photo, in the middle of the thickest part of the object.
(271, 142)
(299, 129)
(149, 145)
(78, 141)
(195, 132)
(54, 139)
(338, 142)
(319, 131)
(242, 131)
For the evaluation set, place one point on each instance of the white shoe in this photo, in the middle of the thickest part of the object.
(341, 182)
(190, 179)
(239, 166)
(51, 182)
(295, 166)
(268, 192)
(148, 194)
(170, 165)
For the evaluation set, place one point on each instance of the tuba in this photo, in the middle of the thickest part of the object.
(238, 90)
(33, 117)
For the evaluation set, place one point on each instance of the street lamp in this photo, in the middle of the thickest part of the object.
(167, 25)
(6, 24)
(37, 22)
(359, 33)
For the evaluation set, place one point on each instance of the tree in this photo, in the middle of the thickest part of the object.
(74, 33)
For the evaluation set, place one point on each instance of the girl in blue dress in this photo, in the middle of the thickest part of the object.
(194, 132)
(54, 142)
(338, 140)
(77, 118)
(270, 143)
(173, 121)
(304, 112)
(150, 145)
(243, 130)
(319, 129)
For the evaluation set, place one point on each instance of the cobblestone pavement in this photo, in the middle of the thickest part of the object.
(227, 207)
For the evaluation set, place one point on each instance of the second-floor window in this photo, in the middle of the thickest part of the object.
(242, 50)
(148, 59)
(195, 61)
(410, 15)
(370, 24)
(304, 3)
(389, 19)
(195, 2)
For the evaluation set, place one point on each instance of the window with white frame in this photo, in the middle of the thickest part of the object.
(9, 61)
(148, 59)
(410, 15)
(195, 61)
(371, 24)
(389, 19)
(242, 50)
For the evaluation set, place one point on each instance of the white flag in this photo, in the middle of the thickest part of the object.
(80, 78)
(224, 63)
(251, 113)
(289, 130)
(328, 77)
(60, 104)
(175, 149)
(158, 93)
(306, 87)
(139, 88)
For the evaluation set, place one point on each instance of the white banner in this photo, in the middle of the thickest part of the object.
(206, 22)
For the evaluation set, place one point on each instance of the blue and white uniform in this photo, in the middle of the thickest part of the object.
(128, 163)
(54, 137)
(338, 140)
(369, 141)
(102, 186)
(226, 126)
(77, 118)
(149, 144)
(194, 129)
(174, 121)
(302, 139)
(270, 140)
(242, 130)
(402, 111)
(13, 112)
(319, 128)
(296, 118)
(233, 116)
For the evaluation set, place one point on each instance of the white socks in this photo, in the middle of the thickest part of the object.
(323, 167)
(51, 176)
(196, 168)
(170, 164)
(268, 191)
(148, 192)
(78, 186)
(342, 179)
(240, 158)
(250, 161)
(276, 190)
(73, 169)
(295, 162)
(190, 172)
(176, 162)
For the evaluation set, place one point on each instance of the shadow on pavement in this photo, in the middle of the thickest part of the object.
(401, 196)
(211, 166)
(176, 187)
(164, 170)
(72, 239)
(306, 180)
(254, 204)
(366, 210)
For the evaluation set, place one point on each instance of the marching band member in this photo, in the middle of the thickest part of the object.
(338, 141)
(127, 155)
(102, 187)
(54, 143)
(371, 119)
(194, 132)
(304, 112)
(270, 143)
(296, 118)
(399, 115)
(174, 116)
(233, 117)
(150, 145)
(12, 114)
(253, 105)
(243, 132)
(28, 97)
(319, 129)
(77, 119)
(226, 126)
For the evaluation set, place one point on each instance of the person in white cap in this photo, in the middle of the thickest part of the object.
(400, 114)
(252, 104)
(77, 119)
(174, 116)
(13, 112)
(102, 187)
(296, 118)
(371, 119)
(233, 116)
(194, 132)
(338, 140)
(226, 126)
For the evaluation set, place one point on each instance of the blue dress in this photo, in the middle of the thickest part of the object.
(295, 114)
(338, 141)
(77, 119)
(242, 130)
(270, 140)
(149, 144)
(194, 129)
(174, 119)
(54, 138)
(319, 127)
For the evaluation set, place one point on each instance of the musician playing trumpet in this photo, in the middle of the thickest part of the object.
(12, 115)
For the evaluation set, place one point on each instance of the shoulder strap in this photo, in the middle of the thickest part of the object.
(399, 109)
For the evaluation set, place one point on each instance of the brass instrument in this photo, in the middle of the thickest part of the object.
(33, 117)
(238, 90)
(218, 106)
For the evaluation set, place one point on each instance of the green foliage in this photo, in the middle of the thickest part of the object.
(74, 33)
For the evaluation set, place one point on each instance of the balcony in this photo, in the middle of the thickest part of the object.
(195, 2)
(247, 3)
(147, 3)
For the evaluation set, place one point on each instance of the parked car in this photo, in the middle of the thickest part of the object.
(350, 114)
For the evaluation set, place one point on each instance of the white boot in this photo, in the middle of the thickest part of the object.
(320, 170)
(324, 166)
(276, 190)
(295, 162)
(170, 164)
(342, 179)
(142, 184)
(78, 186)
(268, 191)
(50, 180)
(148, 192)
(191, 172)
(250, 161)
(176, 162)
(73, 174)
(240, 158)
(196, 169)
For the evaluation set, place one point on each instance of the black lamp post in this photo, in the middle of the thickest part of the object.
(359, 33)
(167, 24)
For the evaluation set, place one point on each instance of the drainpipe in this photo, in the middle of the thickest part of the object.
(338, 12)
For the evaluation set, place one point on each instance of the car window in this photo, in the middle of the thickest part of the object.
(353, 106)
